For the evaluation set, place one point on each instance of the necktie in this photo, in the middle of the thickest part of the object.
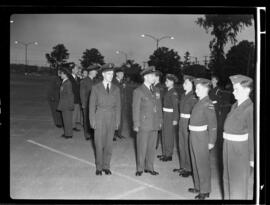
(151, 89)
(107, 88)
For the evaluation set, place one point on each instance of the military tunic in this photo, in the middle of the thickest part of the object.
(104, 114)
(238, 150)
(170, 114)
(66, 106)
(147, 116)
(161, 90)
(76, 116)
(53, 99)
(203, 120)
(186, 105)
(123, 120)
(85, 90)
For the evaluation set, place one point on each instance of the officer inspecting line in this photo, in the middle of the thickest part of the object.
(156, 112)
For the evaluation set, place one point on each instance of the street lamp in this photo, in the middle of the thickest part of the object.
(157, 39)
(26, 46)
(118, 52)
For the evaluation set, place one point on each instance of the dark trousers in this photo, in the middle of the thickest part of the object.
(57, 117)
(236, 169)
(103, 138)
(168, 134)
(67, 119)
(146, 143)
(200, 159)
(76, 116)
(86, 123)
(185, 161)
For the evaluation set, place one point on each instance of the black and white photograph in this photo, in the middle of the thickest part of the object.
(157, 105)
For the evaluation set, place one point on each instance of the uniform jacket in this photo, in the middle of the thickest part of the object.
(54, 89)
(146, 107)
(121, 85)
(203, 113)
(100, 100)
(76, 89)
(215, 96)
(66, 101)
(170, 100)
(240, 121)
(161, 89)
(187, 102)
(85, 90)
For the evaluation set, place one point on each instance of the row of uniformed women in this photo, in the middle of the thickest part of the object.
(198, 130)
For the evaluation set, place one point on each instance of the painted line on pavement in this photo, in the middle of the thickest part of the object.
(129, 192)
(116, 173)
(31, 119)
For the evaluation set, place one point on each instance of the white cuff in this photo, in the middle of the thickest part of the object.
(251, 163)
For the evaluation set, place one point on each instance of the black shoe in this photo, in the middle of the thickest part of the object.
(138, 173)
(160, 156)
(178, 170)
(63, 136)
(185, 173)
(98, 172)
(192, 190)
(202, 196)
(165, 159)
(59, 126)
(67, 137)
(114, 139)
(76, 129)
(151, 172)
(87, 138)
(107, 171)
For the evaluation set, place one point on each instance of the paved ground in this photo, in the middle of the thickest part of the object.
(45, 166)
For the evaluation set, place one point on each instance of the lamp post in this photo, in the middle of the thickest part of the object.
(26, 46)
(157, 39)
(118, 52)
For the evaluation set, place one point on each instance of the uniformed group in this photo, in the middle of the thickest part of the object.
(161, 115)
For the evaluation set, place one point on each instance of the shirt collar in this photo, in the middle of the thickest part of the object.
(105, 84)
(64, 80)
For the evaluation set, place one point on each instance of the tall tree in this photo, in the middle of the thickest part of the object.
(90, 57)
(132, 70)
(224, 28)
(58, 56)
(240, 60)
(165, 60)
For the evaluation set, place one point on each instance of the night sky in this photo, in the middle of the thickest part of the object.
(109, 33)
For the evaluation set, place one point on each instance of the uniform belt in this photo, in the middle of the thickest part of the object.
(184, 115)
(234, 137)
(167, 109)
(197, 128)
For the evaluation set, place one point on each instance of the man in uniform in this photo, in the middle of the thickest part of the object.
(105, 112)
(66, 103)
(119, 82)
(147, 120)
(157, 84)
(238, 145)
(203, 131)
(75, 81)
(53, 99)
(187, 102)
(85, 90)
(170, 118)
